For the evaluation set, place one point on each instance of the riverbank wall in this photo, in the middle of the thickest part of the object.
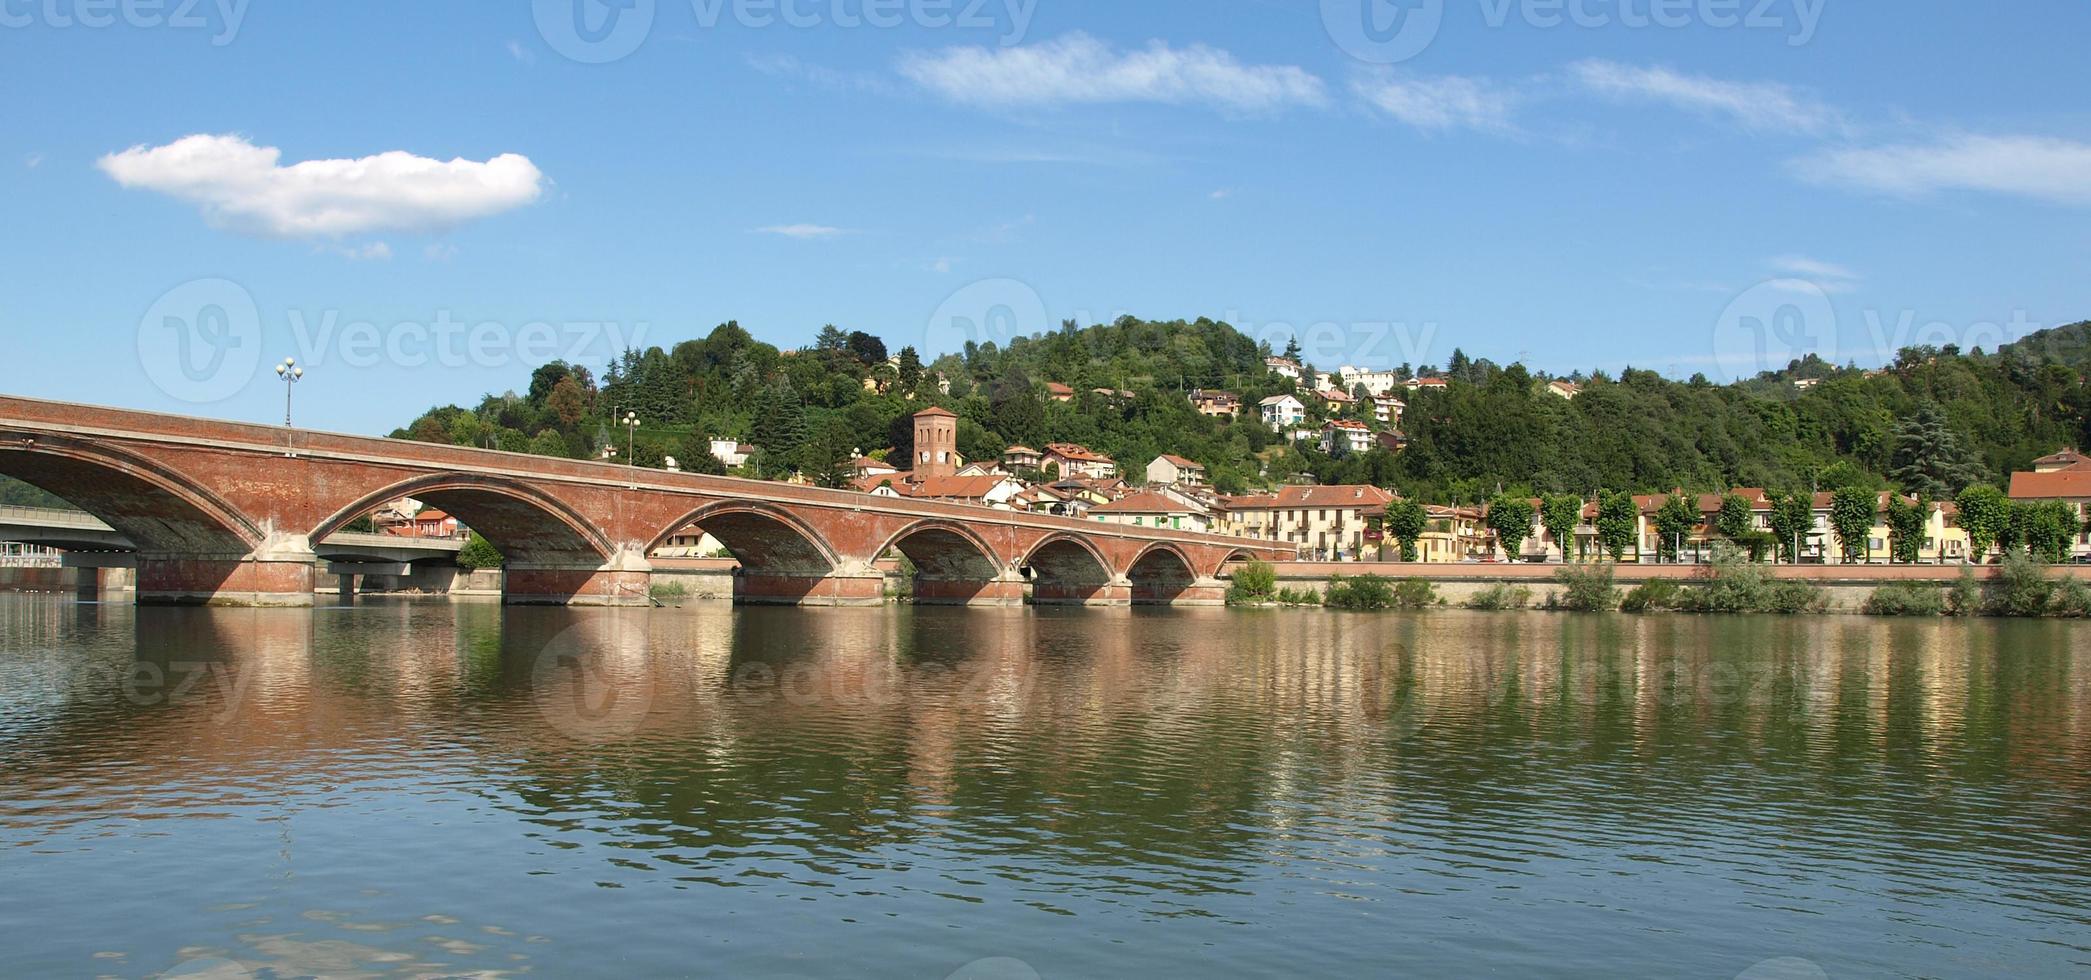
(1845, 586)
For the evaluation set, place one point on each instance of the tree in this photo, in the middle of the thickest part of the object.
(478, 553)
(567, 401)
(1292, 349)
(1406, 521)
(1985, 514)
(1617, 520)
(1792, 517)
(1852, 510)
(1510, 517)
(910, 369)
(1906, 521)
(2050, 526)
(547, 443)
(1673, 521)
(1928, 458)
(1560, 514)
(1733, 520)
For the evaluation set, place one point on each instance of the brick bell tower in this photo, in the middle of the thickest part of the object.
(936, 442)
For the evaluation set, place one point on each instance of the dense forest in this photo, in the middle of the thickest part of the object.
(1934, 421)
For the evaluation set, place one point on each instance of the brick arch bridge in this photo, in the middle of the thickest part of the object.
(227, 512)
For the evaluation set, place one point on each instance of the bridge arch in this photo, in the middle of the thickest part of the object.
(1238, 555)
(1160, 573)
(953, 563)
(162, 511)
(1066, 568)
(522, 522)
(766, 539)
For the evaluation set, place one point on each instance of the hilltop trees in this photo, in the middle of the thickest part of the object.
(1936, 422)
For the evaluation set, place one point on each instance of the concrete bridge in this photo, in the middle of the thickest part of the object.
(229, 513)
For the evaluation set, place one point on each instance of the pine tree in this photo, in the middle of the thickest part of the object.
(1928, 458)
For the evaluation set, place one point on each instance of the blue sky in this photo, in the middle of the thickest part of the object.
(1590, 196)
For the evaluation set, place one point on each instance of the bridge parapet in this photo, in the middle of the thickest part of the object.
(227, 512)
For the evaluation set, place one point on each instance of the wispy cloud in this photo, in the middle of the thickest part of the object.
(2037, 167)
(800, 231)
(1827, 276)
(246, 188)
(33, 161)
(520, 53)
(788, 67)
(1079, 69)
(370, 252)
(1221, 194)
(1441, 102)
(1763, 106)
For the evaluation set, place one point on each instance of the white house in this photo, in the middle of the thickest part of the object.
(1167, 469)
(730, 452)
(1374, 382)
(1388, 409)
(1283, 365)
(1345, 434)
(1282, 412)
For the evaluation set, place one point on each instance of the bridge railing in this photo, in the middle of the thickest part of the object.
(49, 517)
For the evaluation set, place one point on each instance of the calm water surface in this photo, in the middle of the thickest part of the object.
(430, 788)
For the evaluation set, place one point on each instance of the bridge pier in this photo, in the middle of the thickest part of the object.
(1003, 591)
(863, 588)
(249, 581)
(537, 585)
(1204, 592)
(1117, 592)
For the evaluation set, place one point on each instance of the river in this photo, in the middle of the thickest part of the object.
(415, 788)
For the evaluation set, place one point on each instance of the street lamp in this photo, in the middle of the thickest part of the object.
(290, 372)
(631, 436)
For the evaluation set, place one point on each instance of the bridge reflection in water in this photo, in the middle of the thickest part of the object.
(1084, 789)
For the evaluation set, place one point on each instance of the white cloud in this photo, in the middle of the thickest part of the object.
(439, 251)
(2038, 167)
(370, 252)
(1442, 102)
(520, 53)
(1806, 272)
(33, 160)
(1222, 194)
(800, 231)
(243, 187)
(1079, 69)
(1754, 105)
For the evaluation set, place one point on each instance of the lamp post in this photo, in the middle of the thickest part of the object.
(631, 436)
(290, 372)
